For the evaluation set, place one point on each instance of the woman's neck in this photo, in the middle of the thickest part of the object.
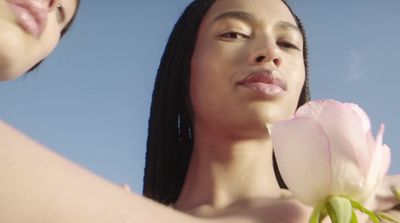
(225, 170)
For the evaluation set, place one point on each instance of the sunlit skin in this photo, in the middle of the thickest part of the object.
(20, 50)
(231, 166)
(230, 175)
(237, 38)
(230, 178)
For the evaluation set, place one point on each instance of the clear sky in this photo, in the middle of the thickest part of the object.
(90, 100)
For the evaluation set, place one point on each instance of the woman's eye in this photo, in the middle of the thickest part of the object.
(233, 35)
(60, 13)
(288, 45)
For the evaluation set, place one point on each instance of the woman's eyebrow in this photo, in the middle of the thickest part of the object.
(240, 15)
(287, 26)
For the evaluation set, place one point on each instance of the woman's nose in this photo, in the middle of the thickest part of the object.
(266, 51)
(51, 4)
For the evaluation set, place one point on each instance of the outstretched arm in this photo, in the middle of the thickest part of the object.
(37, 185)
(387, 199)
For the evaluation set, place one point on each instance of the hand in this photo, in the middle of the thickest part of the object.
(386, 200)
(286, 209)
(387, 197)
(126, 188)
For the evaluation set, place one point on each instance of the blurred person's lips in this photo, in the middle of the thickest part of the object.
(31, 15)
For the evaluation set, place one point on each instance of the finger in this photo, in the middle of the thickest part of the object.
(396, 192)
(390, 216)
(126, 187)
(387, 195)
(393, 180)
(286, 194)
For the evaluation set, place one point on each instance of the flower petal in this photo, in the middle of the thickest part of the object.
(380, 161)
(379, 166)
(363, 116)
(346, 132)
(311, 109)
(335, 117)
(300, 144)
(386, 157)
(386, 154)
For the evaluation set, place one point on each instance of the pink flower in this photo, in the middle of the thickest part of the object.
(327, 149)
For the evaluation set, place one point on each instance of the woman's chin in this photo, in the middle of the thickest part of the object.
(8, 76)
(10, 68)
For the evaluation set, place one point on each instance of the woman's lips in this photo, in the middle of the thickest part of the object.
(31, 15)
(269, 89)
(266, 82)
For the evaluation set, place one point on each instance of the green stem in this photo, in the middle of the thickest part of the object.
(354, 218)
(315, 216)
(361, 208)
(387, 217)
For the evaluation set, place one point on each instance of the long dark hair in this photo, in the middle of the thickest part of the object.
(170, 141)
(63, 31)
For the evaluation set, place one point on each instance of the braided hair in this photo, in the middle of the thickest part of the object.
(170, 139)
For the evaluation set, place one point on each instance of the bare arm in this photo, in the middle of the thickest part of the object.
(38, 186)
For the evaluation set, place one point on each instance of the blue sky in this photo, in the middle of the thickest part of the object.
(90, 100)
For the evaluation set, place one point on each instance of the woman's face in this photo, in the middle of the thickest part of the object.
(29, 31)
(247, 67)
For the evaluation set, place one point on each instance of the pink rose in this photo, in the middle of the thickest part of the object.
(327, 149)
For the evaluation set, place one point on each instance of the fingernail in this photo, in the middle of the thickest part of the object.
(396, 192)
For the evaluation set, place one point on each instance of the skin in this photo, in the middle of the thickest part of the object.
(230, 177)
(230, 137)
(229, 119)
(40, 186)
(227, 51)
(20, 50)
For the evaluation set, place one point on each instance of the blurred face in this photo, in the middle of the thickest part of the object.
(247, 67)
(29, 31)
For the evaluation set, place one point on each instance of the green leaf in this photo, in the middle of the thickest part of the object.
(323, 213)
(354, 218)
(361, 208)
(341, 209)
(331, 213)
(315, 216)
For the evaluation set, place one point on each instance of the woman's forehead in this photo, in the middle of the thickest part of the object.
(259, 9)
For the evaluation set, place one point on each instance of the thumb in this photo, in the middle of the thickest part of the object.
(126, 188)
(286, 194)
(388, 194)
